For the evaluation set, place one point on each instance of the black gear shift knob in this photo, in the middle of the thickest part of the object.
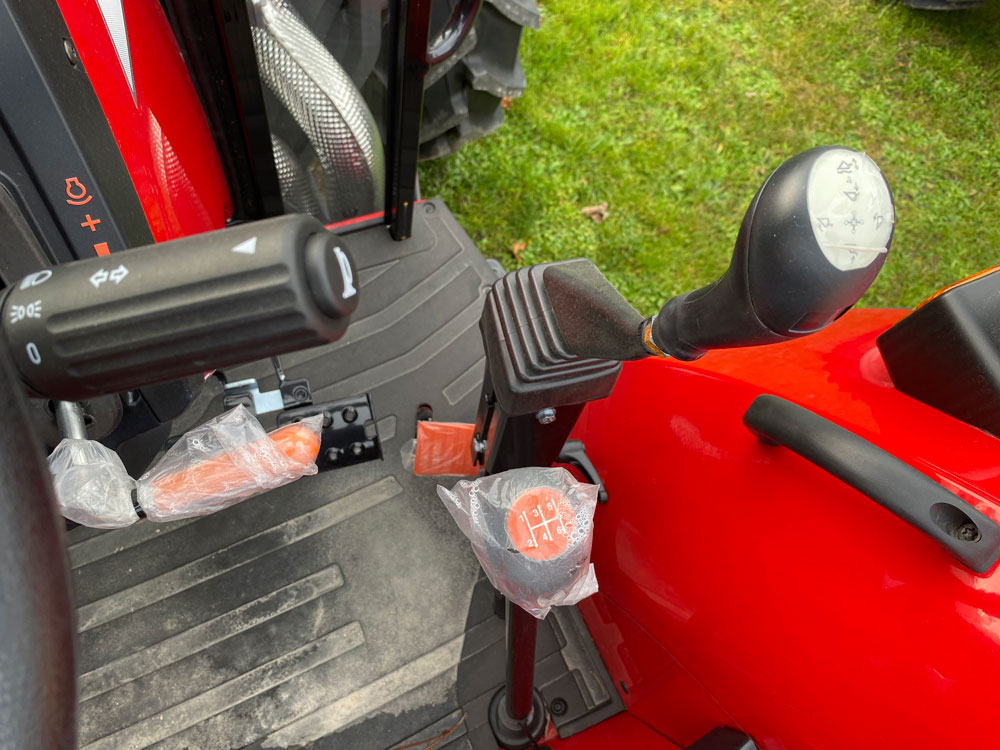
(813, 240)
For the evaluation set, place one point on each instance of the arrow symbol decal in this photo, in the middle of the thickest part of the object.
(98, 278)
(247, 247)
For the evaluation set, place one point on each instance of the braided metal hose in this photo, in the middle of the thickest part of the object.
(303, 75)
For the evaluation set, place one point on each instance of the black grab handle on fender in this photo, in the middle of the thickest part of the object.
(950, 521)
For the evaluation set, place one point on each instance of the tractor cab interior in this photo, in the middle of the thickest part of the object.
(237, 225)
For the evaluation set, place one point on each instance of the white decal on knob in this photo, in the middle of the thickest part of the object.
(247, 247)
(98, 277)
(37, 278)
(850, 208)
(345, 270)
(20, 312)
(117, 275)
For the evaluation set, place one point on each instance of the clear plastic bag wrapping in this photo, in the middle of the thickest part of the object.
(218, 464)
(532, 530)
(226, 460)
(91, 483)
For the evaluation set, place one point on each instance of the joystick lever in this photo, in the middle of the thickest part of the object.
(813, 240)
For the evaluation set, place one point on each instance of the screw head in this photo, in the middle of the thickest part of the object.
(357, 449)
(349, 414)
(558, 707)
(71, 53)
(333, 455)
(968, 532)
(546, 416)
(300, 393)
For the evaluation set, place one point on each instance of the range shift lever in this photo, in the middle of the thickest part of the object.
(813, 240)
(158, 313)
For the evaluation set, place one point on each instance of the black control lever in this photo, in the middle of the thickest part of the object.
(813, 240)
(191, 305)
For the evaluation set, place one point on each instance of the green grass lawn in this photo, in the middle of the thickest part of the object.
(674, 111)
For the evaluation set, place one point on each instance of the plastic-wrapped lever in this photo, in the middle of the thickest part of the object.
(157, 313)
(531, 529)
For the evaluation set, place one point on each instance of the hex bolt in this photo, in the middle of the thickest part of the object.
(546, 416)
(349, 414)
(333, 455)
(357, 449)
(479, 445)
(558, 707)
(968, 532)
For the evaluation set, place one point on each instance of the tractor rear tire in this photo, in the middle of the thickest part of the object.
(464, 96)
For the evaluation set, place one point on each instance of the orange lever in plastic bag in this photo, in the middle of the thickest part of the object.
(226, 478)
(214, 476)
(444, 449)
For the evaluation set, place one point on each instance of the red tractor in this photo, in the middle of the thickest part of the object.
(212, 208)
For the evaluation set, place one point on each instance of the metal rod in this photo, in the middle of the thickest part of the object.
(522, 628)
(69, 418)
(278, 370)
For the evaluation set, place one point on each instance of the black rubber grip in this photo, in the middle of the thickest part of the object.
(966, 533)
(191, 305)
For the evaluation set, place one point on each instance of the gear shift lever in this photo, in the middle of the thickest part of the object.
(813, 240)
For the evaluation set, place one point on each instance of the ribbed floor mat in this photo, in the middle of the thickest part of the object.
(345, 610)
